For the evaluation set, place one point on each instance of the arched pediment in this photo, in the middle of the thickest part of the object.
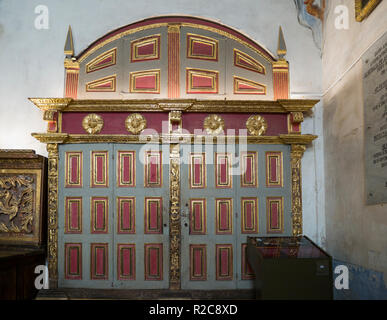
(175, 57)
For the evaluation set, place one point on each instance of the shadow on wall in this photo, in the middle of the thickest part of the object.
(364, 284)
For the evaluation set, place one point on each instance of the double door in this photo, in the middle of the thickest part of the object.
(230, 192)
(113, 216)
(113, 213)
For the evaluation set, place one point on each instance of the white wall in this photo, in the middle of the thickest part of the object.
(31, 62)
(356, 233)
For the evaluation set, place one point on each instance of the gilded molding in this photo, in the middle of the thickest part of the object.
(47, 104)
(187, 105)
(174, 219)
(297, 138)
(362, 12)
(295, 159)
(53, 161)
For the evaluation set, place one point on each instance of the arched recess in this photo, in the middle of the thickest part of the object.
(160, 80)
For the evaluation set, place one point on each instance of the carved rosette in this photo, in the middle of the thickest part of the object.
(135, 123)
(256, 125)
(296, 154)
(53, 159)
(174, 218)
(213, 124)
(92, 123)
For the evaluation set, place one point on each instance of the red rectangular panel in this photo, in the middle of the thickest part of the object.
(223, 214)
(274, 169)
(275, 215)
(223, 177)
(153, 261)
(198, 262)
(73, 169)
(249, 167)
(249, 208)
(73, 261)
(224, 262)
(153, 215)
(126, 213)
(99, 176)
(197, 171)
(153, 169)
(99, 261)
(198, 216)
(126, 168)
(126, 261)
(73, 215)
(99, 214)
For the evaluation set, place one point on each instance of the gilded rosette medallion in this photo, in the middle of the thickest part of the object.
(213, 124)
(135, 123)
(256, 125)
(92, 123)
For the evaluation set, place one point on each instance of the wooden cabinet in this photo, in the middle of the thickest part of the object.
(23, 226)
(290, 268)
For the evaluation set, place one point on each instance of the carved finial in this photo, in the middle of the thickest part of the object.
(69, 46)
(281, 50)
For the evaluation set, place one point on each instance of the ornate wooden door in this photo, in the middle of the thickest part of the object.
(113, 216)
(229, 192)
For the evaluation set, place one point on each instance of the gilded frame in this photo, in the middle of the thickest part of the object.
(362, 11)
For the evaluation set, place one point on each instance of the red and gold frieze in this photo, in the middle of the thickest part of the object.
(73, 215)
(243, 60)
(153, 215)
(144, 49)
(294, 122)
(249, 169)
(126, 215)
(223, 215)
(201, 47)
(99, 214)
(202, 81)
(274, 169)
(246, 86)
(249, 215)
(126, 169)
(126, 261)
(223, 174)
(102, 61)
(106, 84)
(74, 165)
(197, 171)
(73, 261)
(275, 214)
(153, 169)
(224, 262)
(198, 262)
(153, 256)
(99, 174)
(99, 261)
(147, 81)
(246, 270)
(197, 216)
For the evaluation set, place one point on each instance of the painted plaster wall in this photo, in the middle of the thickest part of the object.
(31, 63)
(356, 233)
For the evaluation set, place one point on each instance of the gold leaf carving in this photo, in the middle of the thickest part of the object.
(214, 124)
(256, 125)
(135, 123)
(92, 123)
